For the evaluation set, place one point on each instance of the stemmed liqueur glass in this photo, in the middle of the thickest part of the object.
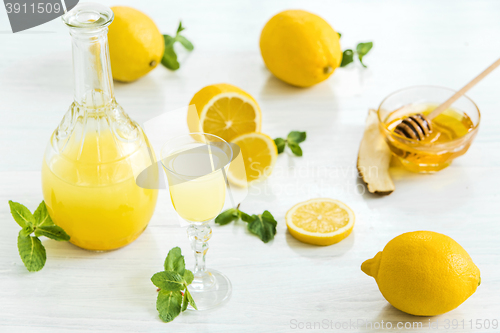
(196, 166)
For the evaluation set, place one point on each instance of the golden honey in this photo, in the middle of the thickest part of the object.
(448, 140)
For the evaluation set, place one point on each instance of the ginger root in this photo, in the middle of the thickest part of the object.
(374, 158)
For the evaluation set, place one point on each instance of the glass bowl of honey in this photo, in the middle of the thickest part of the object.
(452, 131)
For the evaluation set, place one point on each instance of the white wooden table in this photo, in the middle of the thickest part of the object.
(277, 285)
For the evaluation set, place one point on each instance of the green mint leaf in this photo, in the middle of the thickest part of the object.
(179, 266)
(264, 226)
(185, 302)
(190, 299)
(280, 144)
(185, 42)
(188, 277)
(245, 217)
(180, 28)
(296, 136)
(168, 280)
(227, 216)
(340, 35)
(21, 214)
(362, 49)
(42, 217)
(169, 58)
(52, 231)
(32, 252)
(295, 148)
(169, 40)
(173, 255)
(347, 57)
(269, 217)
(169, 304)
(26, 231)
(253, 217)
(175, 261)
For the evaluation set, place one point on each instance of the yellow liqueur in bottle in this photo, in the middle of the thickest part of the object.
(94, 155)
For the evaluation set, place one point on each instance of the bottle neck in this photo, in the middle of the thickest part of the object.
(91, 67)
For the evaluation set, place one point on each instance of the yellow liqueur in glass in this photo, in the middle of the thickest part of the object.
(208, 190)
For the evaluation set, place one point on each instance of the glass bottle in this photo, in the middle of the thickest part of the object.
(97, 151)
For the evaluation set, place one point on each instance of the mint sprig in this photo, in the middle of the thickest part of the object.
(362, 49)
(347, 57)
(169, 58)
(293, 139)
(173, 296)
(262, 225)
(30, 248)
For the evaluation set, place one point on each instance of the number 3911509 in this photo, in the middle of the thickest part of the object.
(477, 324)
(32, 8)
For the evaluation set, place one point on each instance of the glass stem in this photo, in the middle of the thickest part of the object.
(199, 236)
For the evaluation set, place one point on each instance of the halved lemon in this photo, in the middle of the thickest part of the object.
(320, 221)
(224, 110)
(259, 155)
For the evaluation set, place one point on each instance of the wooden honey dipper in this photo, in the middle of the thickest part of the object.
(418, 126)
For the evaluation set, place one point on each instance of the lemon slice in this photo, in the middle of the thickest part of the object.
(320, 221)
(259, 154)
(226, 111)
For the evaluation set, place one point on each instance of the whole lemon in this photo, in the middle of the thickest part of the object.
(135, 44)
(424, 273)
(300, 48)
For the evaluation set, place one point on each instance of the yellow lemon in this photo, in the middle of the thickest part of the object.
(259, 156)
(320, 221)
(224, 110)
(135, 44)
(424, 273)
(300, 48)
